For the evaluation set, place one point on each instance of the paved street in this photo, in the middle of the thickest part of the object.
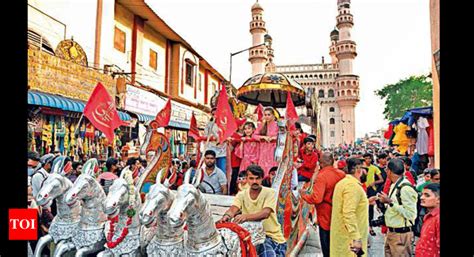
(376, 242)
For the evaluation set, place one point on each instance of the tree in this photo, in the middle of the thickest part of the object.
(412, 92)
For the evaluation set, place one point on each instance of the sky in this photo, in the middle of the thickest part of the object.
(392, 37)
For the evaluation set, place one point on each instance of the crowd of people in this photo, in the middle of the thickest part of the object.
(348, 184)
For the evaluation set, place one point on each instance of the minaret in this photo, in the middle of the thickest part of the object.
(347, 83)
(270, 66)
(258, 55)
(332, 49)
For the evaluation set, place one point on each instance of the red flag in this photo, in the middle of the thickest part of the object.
(224, 119)
(291, 114)
(193, 129)
(259, 112)
(101, 112)
(164, 116)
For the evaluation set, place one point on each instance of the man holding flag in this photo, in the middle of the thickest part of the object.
(221, 126)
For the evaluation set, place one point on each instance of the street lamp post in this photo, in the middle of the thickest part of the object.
(266, 43)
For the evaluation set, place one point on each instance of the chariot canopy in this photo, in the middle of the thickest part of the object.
(270, 89)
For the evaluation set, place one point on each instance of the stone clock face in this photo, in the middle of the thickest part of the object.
(71, 51)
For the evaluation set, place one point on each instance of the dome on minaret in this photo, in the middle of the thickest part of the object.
(334, 35)
(257, 6)
(267, 37)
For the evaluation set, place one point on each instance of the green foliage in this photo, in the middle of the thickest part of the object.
(413, 92)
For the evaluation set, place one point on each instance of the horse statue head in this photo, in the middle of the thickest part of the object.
(55, 184)
(122, 194)
(86, 186)
(188, 199)
(123, 226)
(158, 199)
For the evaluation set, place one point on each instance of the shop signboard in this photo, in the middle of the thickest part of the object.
(180, 115)
(140, 101)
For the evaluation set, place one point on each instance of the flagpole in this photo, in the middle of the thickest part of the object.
(79, 124)
(205, 147)
(209, 132)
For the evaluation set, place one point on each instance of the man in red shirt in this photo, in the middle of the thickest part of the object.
(321, 197)
(429, 242)
(307, 160)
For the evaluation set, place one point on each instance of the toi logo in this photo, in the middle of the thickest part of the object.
(22, 224)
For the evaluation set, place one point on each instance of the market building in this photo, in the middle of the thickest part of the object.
(127, 47)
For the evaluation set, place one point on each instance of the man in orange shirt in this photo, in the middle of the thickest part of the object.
(321, 197)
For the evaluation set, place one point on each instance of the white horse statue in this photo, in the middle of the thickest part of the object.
(90, 235)
(65, 223)
(122, 229)
(168, 239)
(203, 239)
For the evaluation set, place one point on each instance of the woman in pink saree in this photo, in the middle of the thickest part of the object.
(267, 133)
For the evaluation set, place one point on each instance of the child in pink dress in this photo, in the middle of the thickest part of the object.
(248, 149)
(267, 134)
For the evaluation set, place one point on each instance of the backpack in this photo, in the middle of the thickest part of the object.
(420, 211)
(38, 172)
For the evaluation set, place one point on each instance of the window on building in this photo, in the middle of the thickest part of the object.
(331, 93)
(153, 60)
(189, 73)
(119, 40)
(332, 121)
(331, 109)
(321, 93)
(333, 133)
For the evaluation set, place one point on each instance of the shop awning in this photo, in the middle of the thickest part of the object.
(176, 124)
(63, 103)
(124, 116)
(144, 117)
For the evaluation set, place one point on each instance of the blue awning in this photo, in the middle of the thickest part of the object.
(177, 124)
(124, 116)
(63, 103)
(144, 117)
